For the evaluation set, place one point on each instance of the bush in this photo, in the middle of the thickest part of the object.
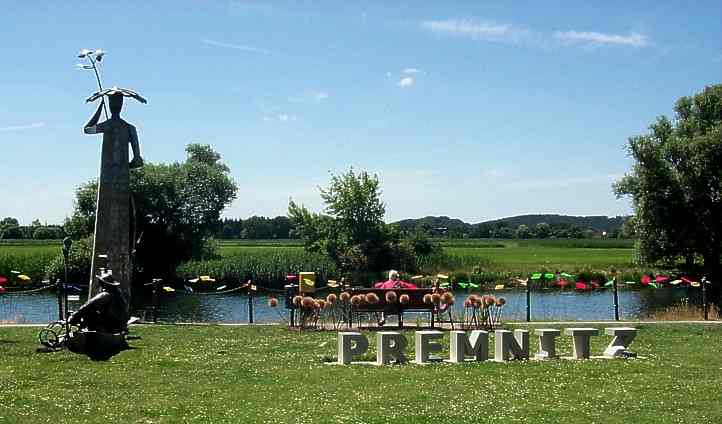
(78, 264)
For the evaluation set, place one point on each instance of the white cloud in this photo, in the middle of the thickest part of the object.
(241, 47)
(599, 38)
(23, 127)
(480, 30)
(309, 97)
(406, 82)
(407, 76)
(484, 30)
(281, 117)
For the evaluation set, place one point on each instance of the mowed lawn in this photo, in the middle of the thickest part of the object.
(272, 374)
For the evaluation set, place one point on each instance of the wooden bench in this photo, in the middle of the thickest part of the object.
(415, 303)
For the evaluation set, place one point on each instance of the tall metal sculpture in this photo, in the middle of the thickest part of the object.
(113, 209)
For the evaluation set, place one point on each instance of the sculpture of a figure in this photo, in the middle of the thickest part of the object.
(116, 126)
(113, 211)
(105, 312)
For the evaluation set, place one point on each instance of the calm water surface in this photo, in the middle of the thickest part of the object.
(233, 308)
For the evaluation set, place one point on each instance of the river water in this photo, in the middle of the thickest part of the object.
(234, 308)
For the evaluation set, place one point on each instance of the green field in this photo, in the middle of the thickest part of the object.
(271, 374)
(267, 261)
(30, 259)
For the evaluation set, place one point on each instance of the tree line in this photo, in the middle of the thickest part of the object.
(256, 227)
(281, 227)
(523, 227)
(10, 229)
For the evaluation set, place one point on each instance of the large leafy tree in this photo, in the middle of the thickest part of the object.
(676, 184)
(177, 207)
(10, 228)
(351, 231)
(9, 222)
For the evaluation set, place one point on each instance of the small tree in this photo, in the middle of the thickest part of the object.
(352, 231)
(676, 184)
(522, 232)
(542, 230)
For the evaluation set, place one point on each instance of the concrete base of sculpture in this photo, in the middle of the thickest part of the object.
(97, 345)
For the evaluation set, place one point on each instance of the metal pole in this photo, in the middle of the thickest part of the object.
(100, 86)
(63, 290)
(59, 288)
(704, 298)
(250, 306)
(616, 299)
(155, 299)
(528, 302)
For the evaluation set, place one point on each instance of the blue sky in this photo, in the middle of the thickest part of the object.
(476, 110)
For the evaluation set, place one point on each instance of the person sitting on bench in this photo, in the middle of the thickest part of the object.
(394, 282)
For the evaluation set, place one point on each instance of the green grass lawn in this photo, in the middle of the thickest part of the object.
(272, 374)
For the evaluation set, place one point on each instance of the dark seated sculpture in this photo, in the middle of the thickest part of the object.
(107, 311)
(102, 322)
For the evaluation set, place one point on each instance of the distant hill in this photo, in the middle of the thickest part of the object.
(596, 222)
(435, 224)
(443, 225)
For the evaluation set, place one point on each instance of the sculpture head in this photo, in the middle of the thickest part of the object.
(115, 102)
(107, 282)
